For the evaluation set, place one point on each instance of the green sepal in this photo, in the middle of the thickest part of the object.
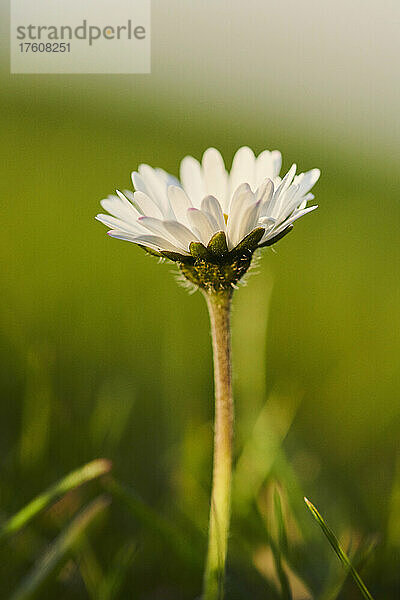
(277, 237)
(150, 250)
(250, 242)
(199, 251)
(175, 256)
(217, 245)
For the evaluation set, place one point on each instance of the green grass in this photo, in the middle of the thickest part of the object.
(90, 471)
(341, 554)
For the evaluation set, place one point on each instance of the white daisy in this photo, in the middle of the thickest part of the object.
(175, 218)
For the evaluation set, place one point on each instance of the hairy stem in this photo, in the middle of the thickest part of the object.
(219, 305)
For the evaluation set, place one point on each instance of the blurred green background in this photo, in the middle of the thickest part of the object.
(102, 355)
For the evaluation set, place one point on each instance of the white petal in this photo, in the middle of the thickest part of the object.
(276, 163)
(124, 200)
(242, 199)
(211, 206)
(274, 232)
(304, 201)
(182, 234)
(128, 194)
(156, 187)
(267, 222)
(122, 235)
(192, 179)
(289, 202)
(201, 225)
(114, 223)
(248, 220)
(306, 180)
(299, 214)
(167, 177)
(120, 207)
(287, 180)
(152, 241)
(268, 164)
(179, 202)
(279, 196)
(243, 169)
(138, 183)
(147, 205)
(265, 191)
(214, 175)
(159, 228)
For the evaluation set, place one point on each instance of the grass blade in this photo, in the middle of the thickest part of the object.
(334, 542)
(59, 551)
(90, 471)
(336, 584)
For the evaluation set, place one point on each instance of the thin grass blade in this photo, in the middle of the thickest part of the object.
(362, 556)
(59, 551)
(334, 542)
(86, 473)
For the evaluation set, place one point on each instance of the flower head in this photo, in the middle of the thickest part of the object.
(211, 221)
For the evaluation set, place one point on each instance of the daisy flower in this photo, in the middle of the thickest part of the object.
(210, 214)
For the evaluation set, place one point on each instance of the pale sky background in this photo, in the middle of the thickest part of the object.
(337, 62)
(327, 64)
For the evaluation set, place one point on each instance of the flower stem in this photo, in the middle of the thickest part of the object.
(219, 305)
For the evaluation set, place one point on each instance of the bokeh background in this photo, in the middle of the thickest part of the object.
(102, 355)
